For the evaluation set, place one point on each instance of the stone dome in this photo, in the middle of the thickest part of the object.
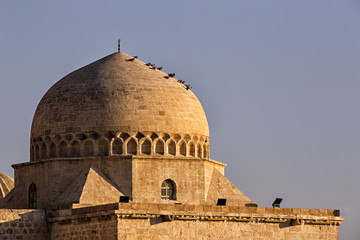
(113, 96)
(6, 185)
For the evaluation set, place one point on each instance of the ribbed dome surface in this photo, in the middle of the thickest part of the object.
(6, 184)
(115, 94)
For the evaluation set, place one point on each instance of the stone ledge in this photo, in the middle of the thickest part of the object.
(171, 212)
(115, 157)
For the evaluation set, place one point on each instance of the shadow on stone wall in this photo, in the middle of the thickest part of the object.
(23, 224)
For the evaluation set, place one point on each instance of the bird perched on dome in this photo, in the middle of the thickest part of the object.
(132, 59)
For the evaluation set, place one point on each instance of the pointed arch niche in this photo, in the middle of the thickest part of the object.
(172, 148)
(131, 147)
(146, 147)
(159, 147)
(32, 197)
(117, 146)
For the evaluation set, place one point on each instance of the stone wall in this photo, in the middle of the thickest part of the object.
(166, 221)
(53, 177)
(138, 177)
(23, 224)
(98, 226)
(204, 230)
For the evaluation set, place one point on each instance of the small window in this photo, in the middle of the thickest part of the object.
(37, 152)
(43, 151)
(131, 147)
(168, 191)
(63, 149)
(199, 155)
(32, 196)
(183, 148)
(75, 149)
(52, 150)
(159, 147)
(192, 149)
(103, 148)
(117, 147)
(89, 149)
(172, 148)
(146, 147)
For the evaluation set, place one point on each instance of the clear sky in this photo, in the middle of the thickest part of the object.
(279, 81)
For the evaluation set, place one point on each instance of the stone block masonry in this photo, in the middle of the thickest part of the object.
(169, 221)
(166, 221)
(23, 224)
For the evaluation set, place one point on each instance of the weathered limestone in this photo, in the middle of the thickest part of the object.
(23, 224)
(6, 185)
(62, 182)
(164, 221)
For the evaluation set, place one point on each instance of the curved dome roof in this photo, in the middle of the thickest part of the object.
(6, 185)
(115, 94)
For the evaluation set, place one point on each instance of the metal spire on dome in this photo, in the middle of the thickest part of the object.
(119, 45)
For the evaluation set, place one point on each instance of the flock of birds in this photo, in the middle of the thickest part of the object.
(170, 75)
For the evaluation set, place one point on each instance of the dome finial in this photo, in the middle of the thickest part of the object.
(119, 45)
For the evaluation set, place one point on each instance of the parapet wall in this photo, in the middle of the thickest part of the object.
(166, 221)
(23, 224)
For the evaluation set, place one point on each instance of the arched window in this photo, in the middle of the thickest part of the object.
(199, 151)
(131, 147)
(192, 149)
(146, 147)
(63, 149)
(168, 190)
(43, 151)
(37, 154)
(89, 149)
(117, 147)
(75, 149)
(206, 151)
(103, 147)
(32, 197)
(183, 148)
(32, 153)
(52, 150)
(159, 147)
(172, 148)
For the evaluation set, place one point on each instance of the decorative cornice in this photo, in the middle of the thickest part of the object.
(249, 218)
(93, 144)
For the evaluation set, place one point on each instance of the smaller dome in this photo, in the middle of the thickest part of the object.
(6, 184)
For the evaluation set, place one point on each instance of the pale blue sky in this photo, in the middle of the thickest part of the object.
(279, 81)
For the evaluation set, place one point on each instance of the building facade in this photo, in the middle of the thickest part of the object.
(120, 150)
